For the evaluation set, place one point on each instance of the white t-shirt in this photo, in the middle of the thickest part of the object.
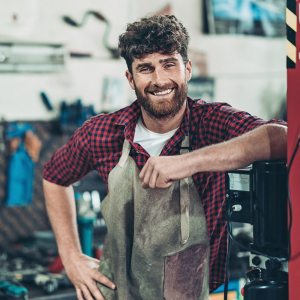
(152, 142)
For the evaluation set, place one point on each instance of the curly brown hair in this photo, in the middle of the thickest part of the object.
(163, 34)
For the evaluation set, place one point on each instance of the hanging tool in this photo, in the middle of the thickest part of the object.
(26, 147)
(114, 51)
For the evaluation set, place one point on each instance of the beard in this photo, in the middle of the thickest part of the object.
(162, 109)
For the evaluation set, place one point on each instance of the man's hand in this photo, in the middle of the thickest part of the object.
(162, 171)
(83, 271)
(263, 143)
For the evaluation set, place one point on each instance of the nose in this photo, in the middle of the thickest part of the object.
(159, 78)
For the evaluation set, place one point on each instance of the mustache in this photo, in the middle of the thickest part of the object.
(155, 89)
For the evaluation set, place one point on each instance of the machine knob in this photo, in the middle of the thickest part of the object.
(236, 195)
(273, 264)
(256, 260)
(254, 274)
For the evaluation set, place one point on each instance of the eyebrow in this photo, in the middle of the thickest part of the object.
(168, 60)
(160, 61)
(139, 66)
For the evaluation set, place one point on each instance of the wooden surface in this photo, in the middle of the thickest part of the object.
(231, 296)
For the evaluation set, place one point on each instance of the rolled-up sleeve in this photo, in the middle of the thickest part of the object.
(226, 122)
(72, 161)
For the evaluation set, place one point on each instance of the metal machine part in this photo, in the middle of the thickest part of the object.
(239, 195)
(27, 57)
(258, 195)
(270, 232)
(259, 261)
(265, 287)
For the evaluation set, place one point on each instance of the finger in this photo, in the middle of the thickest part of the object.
(104, 280)
(144, 169)
(148, 175)
(94, 290)
(162, 184)
(86, 293)
(79, 294)
(145, 185)
(97, 261)
(153, 179)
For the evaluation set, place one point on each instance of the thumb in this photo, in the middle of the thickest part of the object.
(164, 184)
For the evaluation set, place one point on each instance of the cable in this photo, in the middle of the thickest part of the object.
(290, 200)
(253, 251)
(227, 262)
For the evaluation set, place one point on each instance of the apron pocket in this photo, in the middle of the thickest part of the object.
(184, 273)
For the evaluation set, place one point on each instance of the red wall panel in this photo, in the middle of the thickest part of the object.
(293, 115)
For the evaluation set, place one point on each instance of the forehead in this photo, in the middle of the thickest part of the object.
(156, 57)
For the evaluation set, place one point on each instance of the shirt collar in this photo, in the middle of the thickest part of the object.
(129, 114)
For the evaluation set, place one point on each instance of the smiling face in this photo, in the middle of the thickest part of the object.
(160, 83)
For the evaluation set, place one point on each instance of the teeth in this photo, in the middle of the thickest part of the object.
(163, 92)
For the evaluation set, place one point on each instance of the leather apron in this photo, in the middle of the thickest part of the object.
(157, 243)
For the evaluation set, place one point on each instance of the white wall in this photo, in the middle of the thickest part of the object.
(19, 93)
(250, 71)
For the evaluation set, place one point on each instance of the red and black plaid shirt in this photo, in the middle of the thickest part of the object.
(97, 145)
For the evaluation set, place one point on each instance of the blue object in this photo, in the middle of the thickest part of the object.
(46, 101)
(13, 291)
(16, 290)
(20, 168)
(4, 284)
(86, 228)
(233, 285)
(75, 114)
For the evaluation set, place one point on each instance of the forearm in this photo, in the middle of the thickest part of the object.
(61, 209)
(263, 143)
(81, 269)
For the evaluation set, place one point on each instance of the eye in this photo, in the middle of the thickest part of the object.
(169, 65)
(145, 70)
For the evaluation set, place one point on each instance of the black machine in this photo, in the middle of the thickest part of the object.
(258, 195)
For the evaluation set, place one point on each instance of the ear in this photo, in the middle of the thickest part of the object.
(130, 79)
(188, 70)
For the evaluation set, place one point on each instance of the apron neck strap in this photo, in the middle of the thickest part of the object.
(185, 144)
(125, 153)
(184, 191)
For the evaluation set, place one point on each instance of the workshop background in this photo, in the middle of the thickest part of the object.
(54, 76)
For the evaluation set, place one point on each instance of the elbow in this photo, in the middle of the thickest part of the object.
(277, 135)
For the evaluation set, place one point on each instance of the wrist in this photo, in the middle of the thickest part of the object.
(67, 254)
(189, 166)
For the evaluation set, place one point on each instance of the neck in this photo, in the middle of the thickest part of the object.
(165, 124)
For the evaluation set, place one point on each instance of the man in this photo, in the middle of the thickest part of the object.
(165, 209)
